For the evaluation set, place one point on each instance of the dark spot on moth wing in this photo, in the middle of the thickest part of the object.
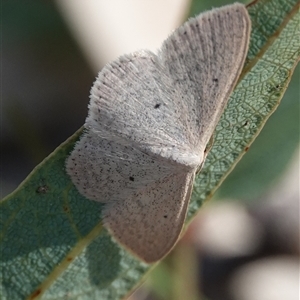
(131, 178)
(165, 216)
(215, 80)
(157, 105)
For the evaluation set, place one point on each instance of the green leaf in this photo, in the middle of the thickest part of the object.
(272, 56)
(53, 245)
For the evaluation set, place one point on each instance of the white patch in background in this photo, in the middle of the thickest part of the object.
(106, 30)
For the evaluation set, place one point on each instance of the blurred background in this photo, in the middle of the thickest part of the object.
(244, 244)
